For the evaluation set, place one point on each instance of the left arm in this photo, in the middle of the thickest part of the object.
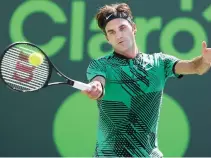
(198, 65)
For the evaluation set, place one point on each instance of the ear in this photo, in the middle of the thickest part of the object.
(134, 28)
(107, 39)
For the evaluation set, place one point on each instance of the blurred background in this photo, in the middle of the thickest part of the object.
(62, 122)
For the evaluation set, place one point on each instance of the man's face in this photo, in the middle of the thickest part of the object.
(120, 34)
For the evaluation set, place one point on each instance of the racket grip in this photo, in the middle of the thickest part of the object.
(81, 86)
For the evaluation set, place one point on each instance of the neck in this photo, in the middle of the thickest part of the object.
(130, 53)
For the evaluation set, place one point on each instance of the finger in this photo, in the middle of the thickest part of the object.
(98, 90)
(95, 91)
(88, 91)
(204, 46)
(94, 94)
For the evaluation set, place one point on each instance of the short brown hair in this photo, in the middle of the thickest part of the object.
(112, 9)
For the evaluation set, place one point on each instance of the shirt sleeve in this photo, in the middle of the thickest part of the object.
(169, 63)
(97, 67)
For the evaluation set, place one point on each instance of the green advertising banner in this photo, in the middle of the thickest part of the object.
(61, 121)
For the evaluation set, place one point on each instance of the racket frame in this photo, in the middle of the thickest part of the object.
(69, 81)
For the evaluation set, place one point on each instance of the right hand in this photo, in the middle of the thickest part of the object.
(96, 90)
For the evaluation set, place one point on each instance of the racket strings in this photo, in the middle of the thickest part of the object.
(18, 73)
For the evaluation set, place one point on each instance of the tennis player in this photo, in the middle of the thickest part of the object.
(128, 86)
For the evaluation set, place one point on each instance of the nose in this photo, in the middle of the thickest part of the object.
(119, 35)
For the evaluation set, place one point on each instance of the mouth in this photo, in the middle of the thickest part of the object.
(120, 42)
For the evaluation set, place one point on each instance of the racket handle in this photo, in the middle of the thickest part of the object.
(81, 85)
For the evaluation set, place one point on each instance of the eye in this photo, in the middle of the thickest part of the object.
(122, 28)
(111, 32)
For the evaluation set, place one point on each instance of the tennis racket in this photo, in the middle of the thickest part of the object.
(20, 75)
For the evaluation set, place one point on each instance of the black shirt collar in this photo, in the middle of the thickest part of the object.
(124, 57)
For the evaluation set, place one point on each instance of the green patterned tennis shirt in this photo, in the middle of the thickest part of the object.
(130, 109)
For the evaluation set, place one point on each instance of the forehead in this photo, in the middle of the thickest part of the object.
(115, 23)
